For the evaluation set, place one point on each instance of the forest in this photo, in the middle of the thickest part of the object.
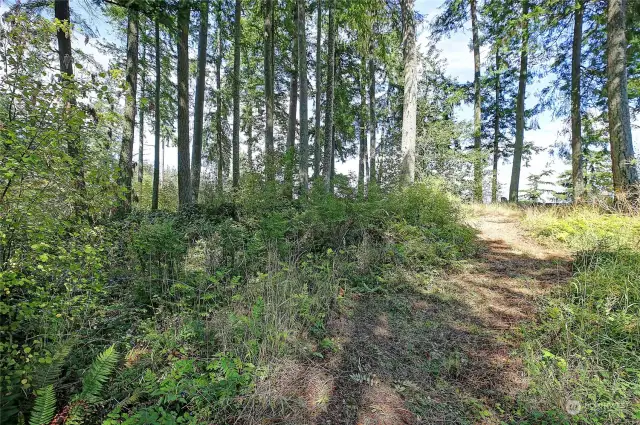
(293, 212)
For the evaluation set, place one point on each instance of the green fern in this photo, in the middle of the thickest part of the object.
(97, 375)
(49, 374)
(45, 406)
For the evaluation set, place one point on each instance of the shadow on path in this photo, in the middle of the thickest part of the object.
(440, 353)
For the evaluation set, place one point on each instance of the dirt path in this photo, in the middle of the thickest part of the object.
(441, 353)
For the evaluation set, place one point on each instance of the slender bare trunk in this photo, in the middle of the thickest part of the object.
(372, 117)
(270, 167)
(514, 187)
(126, 148)
(236, 96)
(198, 112)
(577, 177)
(65, 55)
(293, 107)
(409, 112)
(496, 132)
(477, 111)
(221, 162)
(303, 169)
(141, 118)
(623, 164)
(328, 116)
(156, 145)
(317, 156)
(185, 193)
(362, 127)
(162, 169)
(249, 131)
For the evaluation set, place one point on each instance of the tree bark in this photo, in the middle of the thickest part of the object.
(496, 132)
(270, 168)
(409, 112)
(577, 177)
(328, 116)
(362, 127)
(236, 97)
(318, 111)
(126, 148)
(372, 118)
(218, 62)
(156, 145)
(65, 56)
(198, 113)
(303, 169)
(522, 87)
(249, 131)
(477, 111)
(141, 118)
(185, 192)
(293, 107)
(623, 164)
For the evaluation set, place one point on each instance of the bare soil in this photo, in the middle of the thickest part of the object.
(444, 352)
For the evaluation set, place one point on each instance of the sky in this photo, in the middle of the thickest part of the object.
(459, 57)
(456, 49)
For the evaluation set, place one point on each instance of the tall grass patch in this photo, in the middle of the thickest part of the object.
(585, 350)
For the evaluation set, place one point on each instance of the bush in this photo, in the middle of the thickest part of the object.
(205, 298)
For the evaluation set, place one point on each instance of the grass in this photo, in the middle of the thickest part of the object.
(585, 348)
(584, 228)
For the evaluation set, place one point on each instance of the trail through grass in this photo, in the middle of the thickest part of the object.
(435, 351)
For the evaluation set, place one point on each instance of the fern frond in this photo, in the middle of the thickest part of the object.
(49, 374)
(44, 407)
(97, 375)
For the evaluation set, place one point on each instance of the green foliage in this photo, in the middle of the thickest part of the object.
(44, 407)
(585, 228)
(243, 283)
(43, 410)
(586, 345)
(94, 378)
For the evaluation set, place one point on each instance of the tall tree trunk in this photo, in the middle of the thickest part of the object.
(65, 56)
(328, 116)
(156, 145)
(362, 124)
(270, 167)
(303, 169)
(577, 177)
(162, 169)
(141, 118)
(249, 130)
(477, 112)
(236, 96)
(185, 192)
(317, 155)
(372, 117)
(514, 187)
(198, 113)
(221, 161)
(293, 107)
(622, 156)
(409, 111)
(496, 132)
(126, 149)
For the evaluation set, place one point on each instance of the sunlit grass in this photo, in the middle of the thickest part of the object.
(585, 347)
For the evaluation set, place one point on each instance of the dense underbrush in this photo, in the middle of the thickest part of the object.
(583, 356)
(181, 314)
